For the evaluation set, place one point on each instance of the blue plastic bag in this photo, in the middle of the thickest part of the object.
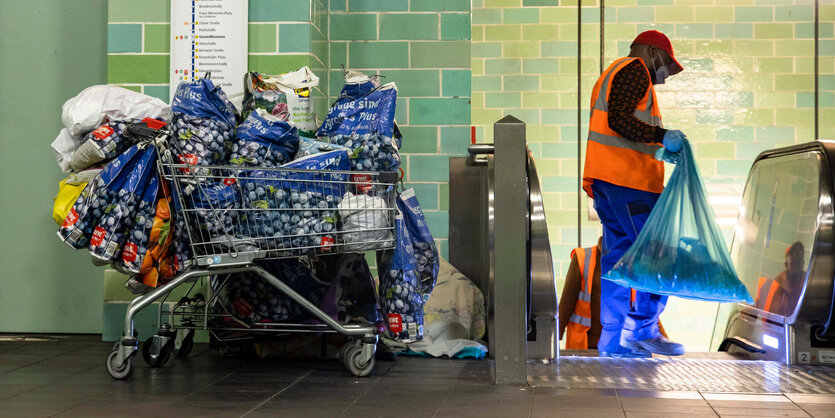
(264, 141)
(309, 146)
(424, 251)
(203, 121)
(139, 235)
(681, 252)
(400, 293)
(366, 126)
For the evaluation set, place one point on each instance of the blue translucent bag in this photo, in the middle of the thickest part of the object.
(424, 251)
(203, 121)
(264, 141)
(681, 252)
(400, 293)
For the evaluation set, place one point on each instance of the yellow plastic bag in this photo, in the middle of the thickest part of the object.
(68, 191)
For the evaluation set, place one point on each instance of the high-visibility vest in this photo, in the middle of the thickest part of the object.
(765, 293)
(577, 337)
(612, 158)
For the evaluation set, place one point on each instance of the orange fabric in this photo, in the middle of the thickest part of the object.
(769, 298)
(577, 333)
(617, 165)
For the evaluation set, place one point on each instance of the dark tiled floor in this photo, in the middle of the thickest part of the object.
(66, 378)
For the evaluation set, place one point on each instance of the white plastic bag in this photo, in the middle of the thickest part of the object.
(367, 217)
(64, 146)
(262, 91)
(93, 105)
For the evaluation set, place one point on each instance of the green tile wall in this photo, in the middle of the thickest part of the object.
(423, 46)
(748, 87)
(283, 36)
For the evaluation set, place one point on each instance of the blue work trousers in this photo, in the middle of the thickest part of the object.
(623, 212)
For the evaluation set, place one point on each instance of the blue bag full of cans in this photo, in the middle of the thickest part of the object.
(110, 233)
(400, 293)
(366, 126)
(203, 121)
(139, 235)
(424, 250)
(264, 141)
(94, 199)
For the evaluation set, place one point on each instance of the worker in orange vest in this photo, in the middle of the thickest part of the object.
(775, 295)
(580, 300)
(624, 178)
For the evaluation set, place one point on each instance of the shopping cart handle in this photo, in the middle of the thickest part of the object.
(142, 130)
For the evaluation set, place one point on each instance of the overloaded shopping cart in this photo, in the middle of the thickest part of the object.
(234, 219)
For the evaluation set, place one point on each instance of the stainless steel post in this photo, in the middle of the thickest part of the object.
(509, 252)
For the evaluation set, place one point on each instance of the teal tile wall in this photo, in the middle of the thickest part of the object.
(423, 46)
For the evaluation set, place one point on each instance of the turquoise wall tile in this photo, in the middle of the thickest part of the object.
(338, 54)
(378, 5)
(455, 26)
(715, 116)
(446, 111)
(443, 54)
(558, 49)
(826, 82)
(735, 99)
(559, 116)
(427, 195)
(775, 134)
(753, 14)
(419, 139)
(529, 116)
(559, 184)
(486, 50)
(438, 223)
(294, 37)
(666, 28)
(800, 13)
(511, 83)
(456, 83)
(826, 47)
(428, 168)
(336, 79)
(749, 152)
(455, 140)
(559, 150)
(733, 168)
(488, 83)
(502, 100)
(486, 16)
(378, 55)
(338, 5)
(414, 83)
(534, 3)
(694, 31)
(636, 14)
(540, 66)
(138, 11)
(401, 113)
(734, 31)
(807, 99)
(353, 27)
(160, 92)
(735, 134)
(807, 30)
(124, 38)
(440, 6)
(279, 11)
(407, 26)
(137, 69)
(655, 2)
(520, 15)
(697, 64)
(262, 38)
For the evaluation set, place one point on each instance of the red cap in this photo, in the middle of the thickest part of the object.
(660, 41)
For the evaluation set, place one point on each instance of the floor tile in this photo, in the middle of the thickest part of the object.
(659, 394)
(756, 412)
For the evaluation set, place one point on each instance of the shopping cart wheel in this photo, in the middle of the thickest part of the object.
(117, 372)
(345, 348)
(352, 360)
(186, 345)
(162, 354)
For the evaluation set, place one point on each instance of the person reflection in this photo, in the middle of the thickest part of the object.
(779, 295)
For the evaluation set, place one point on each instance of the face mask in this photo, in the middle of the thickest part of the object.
(662, 72)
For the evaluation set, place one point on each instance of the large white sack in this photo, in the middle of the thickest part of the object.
(88, 109)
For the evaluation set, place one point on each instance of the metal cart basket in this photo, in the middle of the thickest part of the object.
(233, 218)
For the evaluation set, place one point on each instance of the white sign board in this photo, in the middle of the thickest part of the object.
(209, 36)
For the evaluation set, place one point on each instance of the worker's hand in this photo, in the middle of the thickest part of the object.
(663, 154)
(674, 140)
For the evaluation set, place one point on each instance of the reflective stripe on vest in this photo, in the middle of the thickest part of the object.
(765, 293)
(580, 321)
(612, 158)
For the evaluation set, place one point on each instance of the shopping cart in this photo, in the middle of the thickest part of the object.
(237, 217)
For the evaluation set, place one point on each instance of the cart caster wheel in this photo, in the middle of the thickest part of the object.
(352, 362)
(159, 359)
(186, 346)
(345, 347)
(119, 373)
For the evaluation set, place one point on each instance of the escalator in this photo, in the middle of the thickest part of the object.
(783, 252)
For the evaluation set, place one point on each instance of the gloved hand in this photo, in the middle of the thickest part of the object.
(663, 154)
(673, 140)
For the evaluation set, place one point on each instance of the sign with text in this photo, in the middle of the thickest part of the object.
(209, 36)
